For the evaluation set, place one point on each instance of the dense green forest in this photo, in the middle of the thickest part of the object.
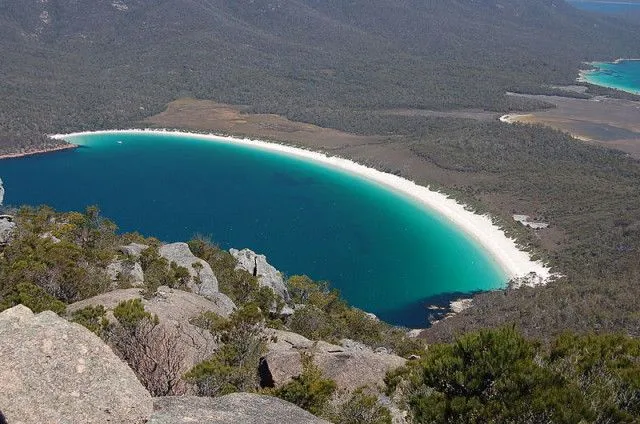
(86, 65)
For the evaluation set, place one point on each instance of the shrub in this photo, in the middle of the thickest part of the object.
(498, 376)
(327, 316)
(234, 366)
(33, 297)
(362, 408)
(309, 390)
(238, 284)
(154, 352)
(91, 317)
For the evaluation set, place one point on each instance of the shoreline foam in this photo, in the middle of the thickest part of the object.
(515, 263)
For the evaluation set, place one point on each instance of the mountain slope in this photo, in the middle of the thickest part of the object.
(85, 64)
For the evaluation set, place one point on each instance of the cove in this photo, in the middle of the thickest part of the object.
(622, 75)
(386, 253)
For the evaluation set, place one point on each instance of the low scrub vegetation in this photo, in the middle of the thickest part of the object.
(499, 376)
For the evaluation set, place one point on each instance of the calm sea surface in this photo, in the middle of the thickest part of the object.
(622, 75)
(386, 254)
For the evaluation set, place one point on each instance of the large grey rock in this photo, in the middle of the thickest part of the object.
(203, 281)
(174, 308)
(7, 229)
(1, 192)
(236, 408)
(351, 366)
(53, 371)
(133, 249)
(257, 265)
(122, 270)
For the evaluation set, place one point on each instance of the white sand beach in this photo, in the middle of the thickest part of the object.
(514, 262)
(512, 117)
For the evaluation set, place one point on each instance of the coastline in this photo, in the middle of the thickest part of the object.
(515, 263)
(38, 151)
(586, 75)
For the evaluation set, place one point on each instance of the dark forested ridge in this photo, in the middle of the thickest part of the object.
(86, 64)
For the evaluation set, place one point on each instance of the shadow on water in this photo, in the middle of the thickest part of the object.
(429, 310)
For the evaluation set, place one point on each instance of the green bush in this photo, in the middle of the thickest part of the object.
(606, 368)
(234, 366)
(91, 317)
(327, 316)
(310, 390)
(48, 252)
(33, 297)
(130, 314)
(361, 408)
(159, 272)
(238, 284)
(498, 376)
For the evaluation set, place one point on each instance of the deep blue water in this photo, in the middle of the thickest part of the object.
(385, 253)
(608, 7)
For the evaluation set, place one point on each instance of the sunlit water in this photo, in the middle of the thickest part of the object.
(384, 252)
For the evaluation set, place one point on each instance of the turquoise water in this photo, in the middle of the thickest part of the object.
(608, 7)
(384, 252)
(622, 75)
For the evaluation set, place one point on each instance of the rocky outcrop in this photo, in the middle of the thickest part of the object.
(126, 271)
(258, 266)
(524, 220)
(54, 371)
(236, 408)
(351, 366)
(174, 308)
(203, 281)
(7, 229)
(133, 249)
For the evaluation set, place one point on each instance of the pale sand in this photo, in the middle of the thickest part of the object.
(514, 262)
(511, 118)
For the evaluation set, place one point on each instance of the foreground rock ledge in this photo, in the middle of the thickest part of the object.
(236, 408)
(53, 371)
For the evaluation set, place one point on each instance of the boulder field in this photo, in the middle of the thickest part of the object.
(54, 371)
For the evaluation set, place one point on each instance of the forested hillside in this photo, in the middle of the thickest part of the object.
(84, 65)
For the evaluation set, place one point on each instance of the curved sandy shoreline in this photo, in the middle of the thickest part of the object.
(514, 262)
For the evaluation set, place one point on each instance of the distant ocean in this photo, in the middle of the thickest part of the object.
(386, 254)
(622, 75)
(608, 7)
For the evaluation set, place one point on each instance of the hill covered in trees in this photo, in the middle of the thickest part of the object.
(88, 65)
